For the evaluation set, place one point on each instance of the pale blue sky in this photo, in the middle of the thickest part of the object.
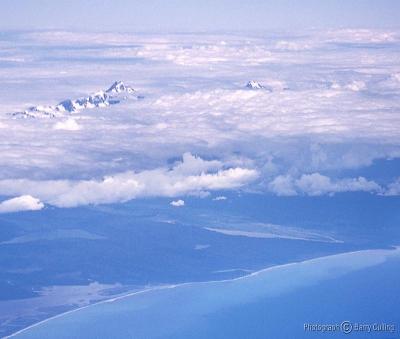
(197, 15)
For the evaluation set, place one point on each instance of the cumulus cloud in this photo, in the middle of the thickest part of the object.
(282, 185)
(219, 198)
(68, 125)
(22, 203)
(356, 86)
(317, 184)
(208, 53)
(393, 188)
(195, 165)
(359, 35)
(192, 175)
(291, 45)
(177, 203)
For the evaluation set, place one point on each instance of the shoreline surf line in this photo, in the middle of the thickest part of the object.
(392, 251)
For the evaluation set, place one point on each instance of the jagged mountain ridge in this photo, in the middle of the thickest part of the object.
(117, 92)
(254, 85)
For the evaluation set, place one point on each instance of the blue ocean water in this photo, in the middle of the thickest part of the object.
(358, 287)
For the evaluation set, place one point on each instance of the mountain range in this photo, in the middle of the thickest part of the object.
(116, 93)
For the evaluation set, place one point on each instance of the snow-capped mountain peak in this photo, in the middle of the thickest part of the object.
(114, 95)
(118, 87)
(254, 85)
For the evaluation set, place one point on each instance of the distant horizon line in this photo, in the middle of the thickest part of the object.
(213, 31)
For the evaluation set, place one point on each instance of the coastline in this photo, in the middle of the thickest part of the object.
(376, 255)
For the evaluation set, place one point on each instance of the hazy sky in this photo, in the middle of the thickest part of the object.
(197, 15)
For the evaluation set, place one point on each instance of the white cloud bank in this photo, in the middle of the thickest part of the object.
(320, 116)
(316, 184)
(22, 203)
(193, 176)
